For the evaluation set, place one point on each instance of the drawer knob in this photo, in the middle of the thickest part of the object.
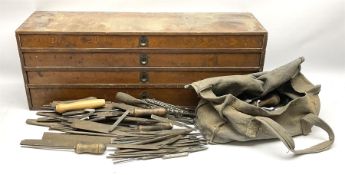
(143, 41)
(144, 94)
(52, 40)
(144, 77)
(143, 59)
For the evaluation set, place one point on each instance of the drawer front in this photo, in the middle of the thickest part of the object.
(141, 59)
(132, 41)
(121, 77)
(176, 96)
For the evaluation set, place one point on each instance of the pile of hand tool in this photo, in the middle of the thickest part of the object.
(139, 129)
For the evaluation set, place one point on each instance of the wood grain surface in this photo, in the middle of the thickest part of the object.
(67, 55)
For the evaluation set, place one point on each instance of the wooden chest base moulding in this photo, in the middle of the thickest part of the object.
(69, 55)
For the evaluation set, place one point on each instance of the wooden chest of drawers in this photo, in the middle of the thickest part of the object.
(68, 55)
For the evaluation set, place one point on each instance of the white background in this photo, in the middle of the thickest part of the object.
(314, 29)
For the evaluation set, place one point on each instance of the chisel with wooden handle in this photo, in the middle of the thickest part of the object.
(79, 105)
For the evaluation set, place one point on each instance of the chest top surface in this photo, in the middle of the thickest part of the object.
(131, 23)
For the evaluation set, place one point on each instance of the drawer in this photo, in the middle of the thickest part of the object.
(122, 77)
(69, 55)
(176, 96)
(138, 41)
(37, 59)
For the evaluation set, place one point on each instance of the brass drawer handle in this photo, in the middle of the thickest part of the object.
(143, 41)
(144, 94)
(144, 77)
(143, 59)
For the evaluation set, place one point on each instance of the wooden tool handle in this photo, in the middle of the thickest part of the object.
(83, 104)
(90, 148)
(148, 112)
(128, 99)
(54, 103)
(273, 100)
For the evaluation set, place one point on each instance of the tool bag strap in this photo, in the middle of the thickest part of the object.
(286, 138)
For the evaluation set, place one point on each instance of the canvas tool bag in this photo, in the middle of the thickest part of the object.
(229, 108)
